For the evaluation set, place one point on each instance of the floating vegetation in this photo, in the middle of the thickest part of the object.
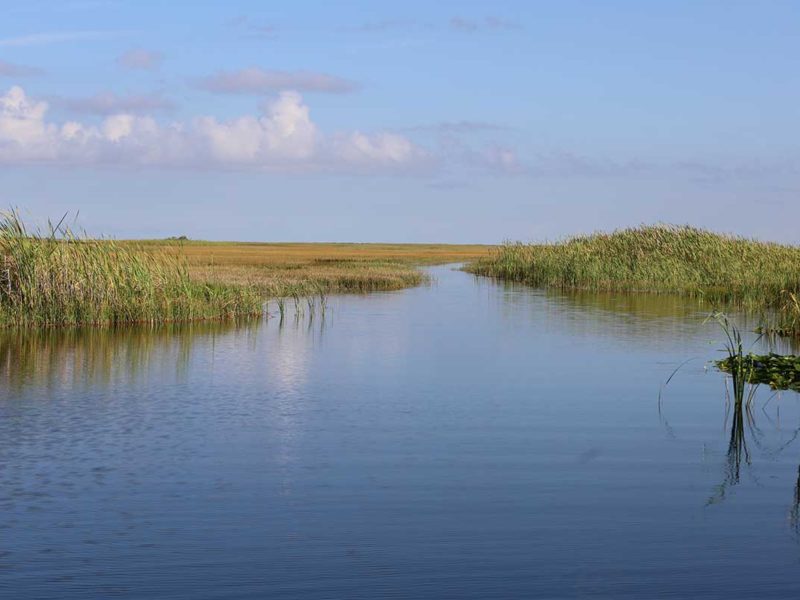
(778, 371)
(747, 371)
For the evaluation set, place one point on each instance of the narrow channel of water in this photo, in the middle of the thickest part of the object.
(466, 439)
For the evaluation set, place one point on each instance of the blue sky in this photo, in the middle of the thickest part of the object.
(407, 122)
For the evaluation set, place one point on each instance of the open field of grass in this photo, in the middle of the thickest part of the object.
(57, 278)
(723, 269)
(287, 269)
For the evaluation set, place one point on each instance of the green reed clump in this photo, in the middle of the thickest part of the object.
(737, 364)
(724, 269)
(59, 278)
(780, 372)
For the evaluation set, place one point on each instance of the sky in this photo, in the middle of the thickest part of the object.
(464, 122)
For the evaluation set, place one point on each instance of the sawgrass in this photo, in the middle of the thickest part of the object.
(303, 269)
(58, 278)
(723, 269)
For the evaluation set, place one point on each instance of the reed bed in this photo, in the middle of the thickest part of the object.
(724, 269)
(56, 277)
(308, 269)
(314, 278)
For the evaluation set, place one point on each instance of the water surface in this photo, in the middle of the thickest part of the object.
(461, 440)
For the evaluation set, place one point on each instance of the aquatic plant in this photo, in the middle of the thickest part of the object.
(737, 363)
(778, 371)
(724, 269)
(60, 278)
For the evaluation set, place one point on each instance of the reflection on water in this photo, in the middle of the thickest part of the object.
(92, 356)
(463, 440)
(794, 514)
(742, 424)
(642, 318)
(741, 408)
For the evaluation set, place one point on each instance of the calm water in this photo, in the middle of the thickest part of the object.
(463, 440)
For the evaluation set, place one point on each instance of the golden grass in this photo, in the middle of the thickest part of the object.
(286, 269)
(58, 278)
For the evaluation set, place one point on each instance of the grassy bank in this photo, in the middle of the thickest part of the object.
(723, 269)
(289, 269)
(57, 278)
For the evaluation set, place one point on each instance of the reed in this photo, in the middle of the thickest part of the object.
(56, 277)
(724, 269)
(283, 269)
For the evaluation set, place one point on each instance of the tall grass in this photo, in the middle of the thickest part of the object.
(724, 269)
(56, 277)
(280, 269)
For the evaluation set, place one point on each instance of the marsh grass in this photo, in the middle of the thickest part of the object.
(723, 269)
(309, 269)
(738, 364)
(55, 277)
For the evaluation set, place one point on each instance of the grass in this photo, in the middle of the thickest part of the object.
(295, 269)
(59, 278)
(724, 269)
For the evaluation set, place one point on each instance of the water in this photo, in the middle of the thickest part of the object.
(463, 440)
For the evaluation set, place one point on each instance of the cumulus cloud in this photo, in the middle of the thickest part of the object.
(282, 137)
(383, 148)
(139, 58)
(285, 134)
(109, 103)
(8, 69)
(259, 81)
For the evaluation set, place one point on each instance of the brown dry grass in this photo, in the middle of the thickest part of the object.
(283, 269)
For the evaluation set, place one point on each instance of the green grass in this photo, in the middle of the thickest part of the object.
(724, 269)
(59, 278)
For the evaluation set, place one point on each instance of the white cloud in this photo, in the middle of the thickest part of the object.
(23, 131)
(259, 81)
(383, 148)
(283, 137)
(284, 133)
(109, 103)
(139, 58)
